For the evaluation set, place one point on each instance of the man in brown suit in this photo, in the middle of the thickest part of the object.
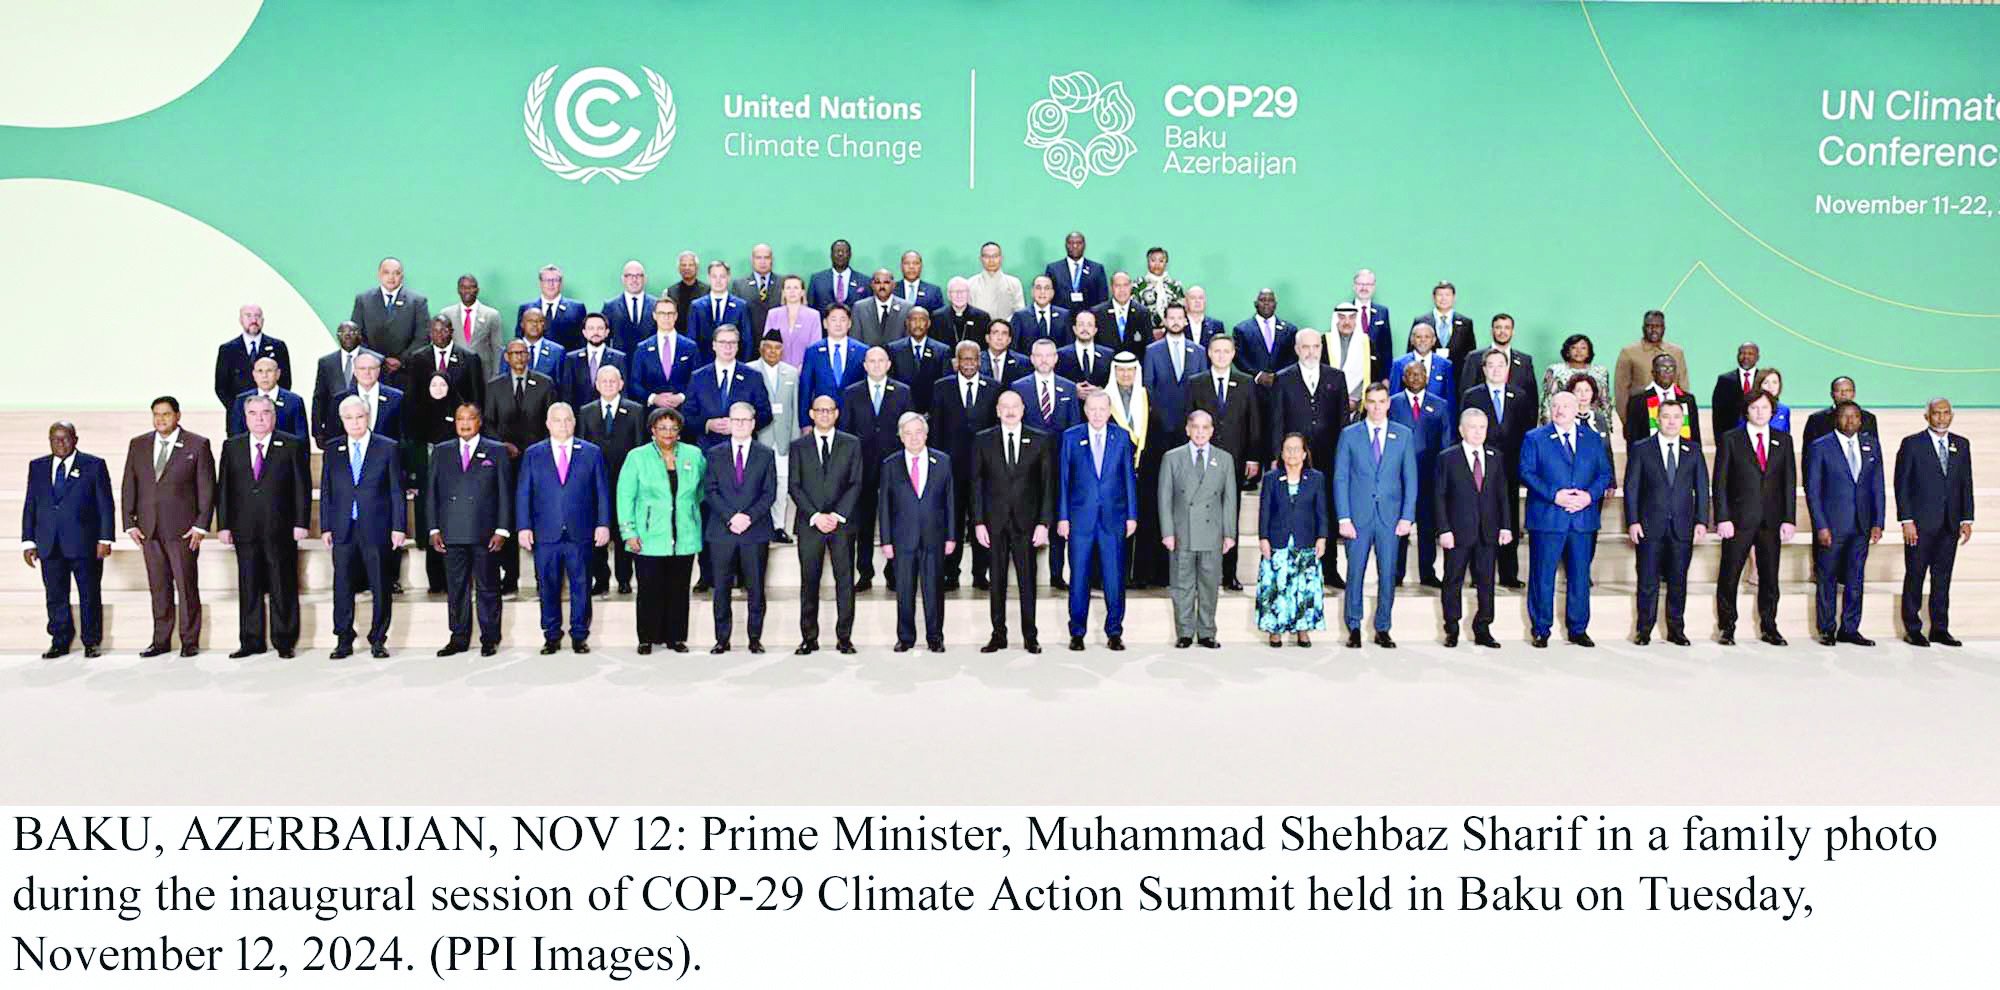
(168, 490)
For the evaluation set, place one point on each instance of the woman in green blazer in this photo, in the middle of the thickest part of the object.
(659, 518)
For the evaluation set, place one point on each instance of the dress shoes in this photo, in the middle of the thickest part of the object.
(453, 649)
(1583, 639)
(1076, 644)
(1481, 637)
(1823, 639)
(624, 589)
(1513, 585)
(1771, 636)
(937, 647)
(1032, 646)
(1727, 638)
(282, 654)
(863, 585)
(1944, 639)
(951, 584)
(551, 646)
(1114, 642)
(579, 646)
(703, 587)
(1678, 638)
(189, 651)
(341, 651)
(845, 647)
(782, 537)
(1382, 640)
(1539, 642)
(719, 648)
(153, 651)
(1232, 585)
(244, 652)
(379, 652)
(1915, 639)
(600, 591)
(981, 584)
(756, 646)
(1183, 643)
(489, 649)
(1354, 639)
(1208, 642)
(54, 651)
(805, 649)
(1854, 639)
(1430, 582)
(1451, 639)
(1059, 584)
(904, 647)
(994, 645)
(645, 649)
(1643, 639)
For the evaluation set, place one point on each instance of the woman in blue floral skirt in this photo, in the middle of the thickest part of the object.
(1292, 531)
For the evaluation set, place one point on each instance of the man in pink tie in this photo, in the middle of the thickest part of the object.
(262, 502)
(741, 485)
(562, 504)
(468, 502)
(915, 504)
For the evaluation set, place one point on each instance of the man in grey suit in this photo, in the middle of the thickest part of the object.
(392, 317)
(1198, 508)
(879, 318)
(781, 386)
(476, 326)
(760, 289)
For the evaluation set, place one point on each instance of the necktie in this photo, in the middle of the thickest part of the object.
(468, 324)
(1746, 383)
(1416, 410)
(1478, 470)
(916, 482)
(716, 304)
(562, 465)
(257, 461)
(825, 450)
(517, 389)
(1498, 405)
(62, 477)
(1097, 453)
(1075, 275)
(722, 381)
(1569, 445)
(839, 361)
(548, 311)
(910, 293)
(1673, 457)
(357, 454)
(1043, 318)
(1013, 449)
(1944, 456)
(1375, 433)
(161, 451)
(593, 364)
(631, 310)
(1270, 343)
(1179, 356)
(840, 287)
(763, 288)
(610, 413)
(371, 412)
(1200, 459)
(1089, 359)
(881, 312)
(347, 368)
(968, 396)
(465, 457)
(1048, 404)
(1221, 396)
(1853, 459)
(739, 464)
(667, 360)
(875, 398)
(1762, 459)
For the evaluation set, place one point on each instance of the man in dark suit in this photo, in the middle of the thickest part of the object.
(1083, 360)
(1310, 399)
(362, 520)
(545, 356)
(912, 288)
(1052, 406)
(1666, 514)
(1201, 327)
(1844, 497)
(832, 364)
(1373, 323)
(470, 493)
(1124, 323)
(1430, 427)
(1821, 423)
(617, 426)
(562, 505)
(870, 408)
(1264, 341)
(839, 283)
(918, 361)
(562, 317)
(577, 383)
(958, 319)
(1641, 407)
(825, 482)
(1472, 522)
(1725, 404)
(238, 355)
(335, 378)
(391, 317)
(1521, 372)
(1166, 367)
(1228, 395)
(516, 413)
(716, 310)
(1097, 510)
(742, 483)
(68, 522)
(290, 409)
(662, 364)
(263, 503)
(1453, 329)
(441, 354)
(1042, 318)
(1934, 506)
(384, 403)
(1756, 481)
(715, 387)
(1078, 281)
(1511, 412)
(961, 407)
(999, 360)
(1013, 491)
(168, 493)
(630, 313)
(914, 503)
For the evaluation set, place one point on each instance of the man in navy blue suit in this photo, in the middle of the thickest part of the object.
(1052, 408)
(1374, 321)
(662, 364)
(1375, 504)
(291, 410)
(742, 483)
(577, 381)
(998, 360)
(362, 517)
(870, 409)
(1567, 470)
(1042, 317)
(1430, 425)
(1844, 497)
(630, 313)
(66, 520)
(236, 358)
(561, 315)
(562, 507)
(469, 499)
(1934, 506)
(915, 502)
(1078, 281)
(1264, 341)
(715, 310)
(383, 403)
(713, 388)
(545, 355)
(1097, 510)
(1168, 362)
(838, 284)
(832, 364)
(917, 360)
(963, 405)
(1666, 514)
(1083, 360)
(918, 293)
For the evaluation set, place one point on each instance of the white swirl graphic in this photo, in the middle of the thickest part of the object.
(1065, 159)
(1047, 121)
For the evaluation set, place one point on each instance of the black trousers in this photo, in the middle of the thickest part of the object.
(1013, 548)
(1476, 556)
(919, 566)
(601, 563)
(737, 561)
(662, 603)
(1509, 556)
(267, 568)
(864, 526)
(1735, 553)
(1933, 553)
(509, 562)
(817, 551)
(354, 562)
(961, 530)
(1663, 558)
(435, 577)
(468, 565)
(88, 573)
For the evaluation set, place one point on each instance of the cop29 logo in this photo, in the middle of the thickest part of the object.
(597, 140)
(1078, 94)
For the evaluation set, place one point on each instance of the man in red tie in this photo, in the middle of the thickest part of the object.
(1473, 523)
(1756, 486)
(1732, 387)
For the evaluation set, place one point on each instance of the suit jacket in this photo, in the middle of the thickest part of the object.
(1239, 424)
(332, 382)
(574, 381)
(1028, 327)
(1253, 358)
(1167, 390)
(1935, 498)
(1015, 499)
(466, 504)
(1547, 467)
(1091, 501)
(1458, 339)
(702, 324)
(1725, 404)
(464, 369)
(1666, 507)
(1441, 381)
(388, 413)
(489, 336)
(876, 430)
(1066, 410)
(1514, 419)
(1837, 500)
(291, 412)
(911, 520)
(1319, 415)
(1375, 493)
(1090, 288)
(378, 498)
(871, 327)
(565, 325)
(707, 399)
(69, 525)
(760, 302)
(180, 499)
(956, 424)
(1747, 496)
(1373, 320)
(233, 363)
(522, 423)
(919, 373)
(1006, 369)
(545, 356)
(781, 390)
(724, 496)
(1639, 426)
(559, 510)
(1431, 431)
(820, 294)
(817, 375)
(1301, 518)
(834, 486)
(1207, 329)
(1521, 370)
(391, 332)
(1472, 514)
(626, 332)
(626, 432)
(647, 377)
(1821, 423)
(1198, 508)
(950, 327)
(1134, 335)
(1069, 364)
(925, 296)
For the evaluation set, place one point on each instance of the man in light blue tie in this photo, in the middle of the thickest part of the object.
(1375, 501)
(1097, 509)
(1567, 470)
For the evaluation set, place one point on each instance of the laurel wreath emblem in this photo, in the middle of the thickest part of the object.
(1048, 128)
(559, 163)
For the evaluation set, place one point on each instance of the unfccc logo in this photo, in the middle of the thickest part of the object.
(582, 90)
(1048, 128)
